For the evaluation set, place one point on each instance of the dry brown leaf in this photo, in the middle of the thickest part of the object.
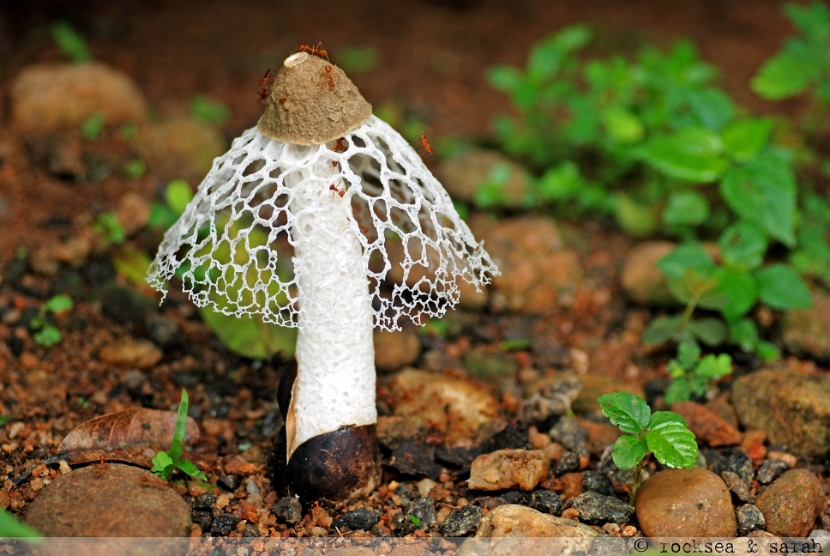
(132, 435)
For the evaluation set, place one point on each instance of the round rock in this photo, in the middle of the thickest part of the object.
(685, 503)
(113, 501)
(312, 102)
(509, 468)
(511, 520)
(642, 280)
(791, 504)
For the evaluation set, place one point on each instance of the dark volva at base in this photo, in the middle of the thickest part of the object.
(336, 466)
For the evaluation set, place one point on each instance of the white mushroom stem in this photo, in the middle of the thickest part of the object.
(335, 354)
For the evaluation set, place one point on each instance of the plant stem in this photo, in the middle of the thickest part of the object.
(635, 485)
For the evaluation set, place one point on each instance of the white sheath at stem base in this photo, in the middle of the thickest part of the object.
(335, 353)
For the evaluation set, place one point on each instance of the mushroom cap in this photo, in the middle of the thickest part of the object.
(233, 246)
(312, 102)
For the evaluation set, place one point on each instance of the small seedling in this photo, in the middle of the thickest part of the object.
(70, 42)
(47, 334)
(662, 433)
(109, 228)
(693, 375)
(208, 111)
(134, 169)
(416, 521)
(166, 463)
(11, 527)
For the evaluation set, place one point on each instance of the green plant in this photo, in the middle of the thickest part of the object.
(663, 433)
(70, 42)
(109, 228)
(692, 374)
(357, 59)
(208, 111)
(166, 463)
(46, 333)
(11, 527)
(93, 127)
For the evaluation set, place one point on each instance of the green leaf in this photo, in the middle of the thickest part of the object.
(249, 336)
(70, 42)
(714, 366)
(689, 256)
(672, 444)
(178, 195)
(685, 208)
(190, 469)
(93, 127)
(134, 169)
(780, 287)
(208, 111)
(744, 333)
(561, 182)
(357, 59)
(622, 126)
(181, 424)
(629, 451)
(711, 107)
(627, 411)
(637, 219)
(740, 290)
(661, 330)
(767, 351)
(692, 154)
(504, 78)
(659, 418)
(59, 303)
(744, 139)
(763, 192)
(710, 331)
(163, 465)
(131, 263)
(743, 246)
(678, 391)
(688, 354)
(781, 76)
(48, 336)
(11, 527)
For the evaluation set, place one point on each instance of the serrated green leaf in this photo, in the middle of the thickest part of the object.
(628, 451)
(744, 139)
(678, 391)
(743, 245)
(190, 469)
(685, 208)
(689, 256)
(710, 331)
(659, 418)
(59, 303)
(627, 411)
(692, 154)
(661, 329)
(781, 76)
(714, 366)
(780, 287)
(672, 444)
(763, 192)
(740, 290)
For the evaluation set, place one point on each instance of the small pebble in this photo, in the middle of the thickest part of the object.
(462, 521)
(230, 482)
(791, 504)
(250, 531)
(223, 524)
(203, 519)
(597, 509)
(289, 510)
(514, 497)
(736, 461)
(509, 468)
(750, 519)
(770, 470)
(567, 463)
(595, 481)
(739, 489)
(424, 510)
(568, 432)
(362, 519)
(204, 502)
(402, 524)
(546, 502)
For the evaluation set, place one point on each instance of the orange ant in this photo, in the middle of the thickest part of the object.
(263, 94)
(282, 100)
(341, 145)
(426, 144)
(101, 465)
(340, 192)
(329, 70)
(149, 481)
(314, 51)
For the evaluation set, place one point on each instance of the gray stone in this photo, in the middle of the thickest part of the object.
(770, 470)
(361, 519)
(288, 510)
(739, 489)
(424, 510)
(598, 509)
(568, 463)
(204, 501)
(223, 524)
(546, 502)
(735, 460)
(568, 432)
(462, 522)
(594, 481)
(750, 519)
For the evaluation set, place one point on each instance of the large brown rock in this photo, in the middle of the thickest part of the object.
(642, 281)
(181, 147)
(792, 410)
(464, 175)
(792, 503)
(49, 97)
(808, 331)
(685, 503)
(707, 425)
(111, 501)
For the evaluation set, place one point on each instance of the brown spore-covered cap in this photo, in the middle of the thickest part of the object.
(312, 102)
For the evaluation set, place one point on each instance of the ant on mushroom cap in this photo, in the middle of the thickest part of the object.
(263, 94)
(318, 51)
